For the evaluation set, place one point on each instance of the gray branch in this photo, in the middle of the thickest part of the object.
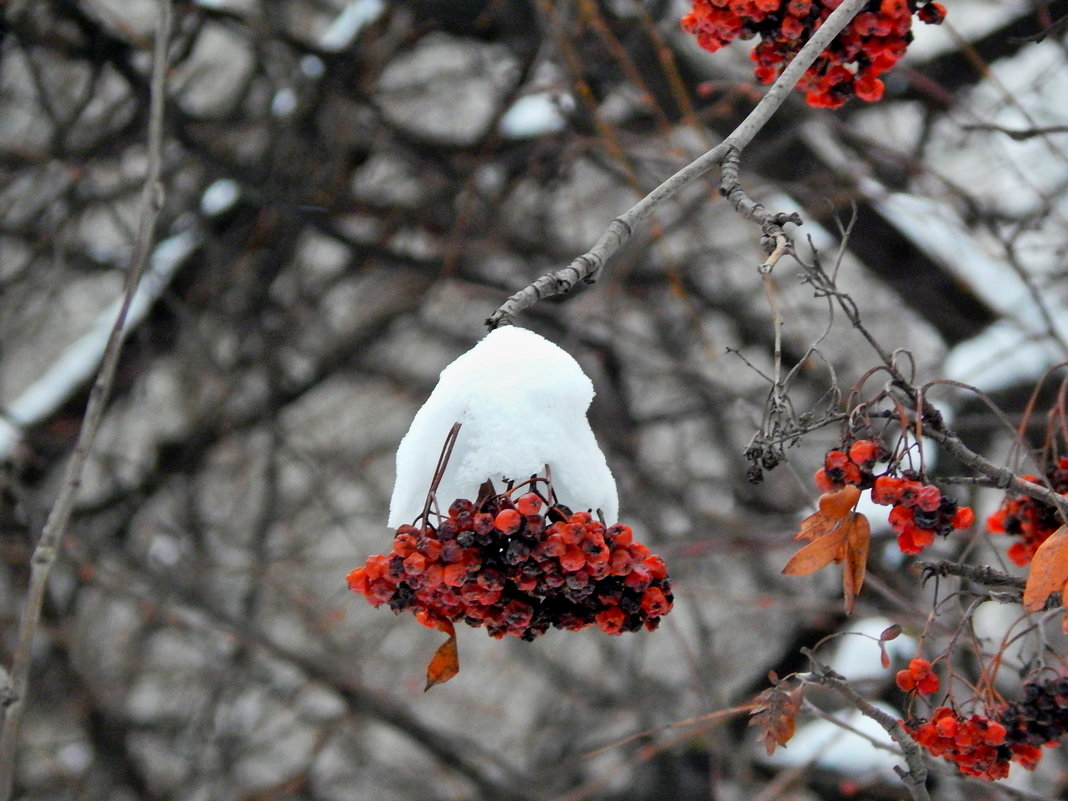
(587, 268)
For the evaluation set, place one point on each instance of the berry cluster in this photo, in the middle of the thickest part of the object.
(1042, 716)
(919, 676)
(1030, 520)
(518, 568)
(977, 744)
(919, 510)
(855, 467)
(869, 46)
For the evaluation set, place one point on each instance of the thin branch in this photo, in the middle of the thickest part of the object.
(55, 526)
(586, 269)
(980, 574)
(915, 779)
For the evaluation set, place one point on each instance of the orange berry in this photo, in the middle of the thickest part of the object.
(508, 521)
(529, 504)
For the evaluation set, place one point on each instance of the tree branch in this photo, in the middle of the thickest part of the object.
(587, 267)
(915, 778)
(55, 526)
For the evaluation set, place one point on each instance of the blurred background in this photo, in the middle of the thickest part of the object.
(352, 188)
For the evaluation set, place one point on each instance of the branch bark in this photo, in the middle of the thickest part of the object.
(55, 527)
(587, 267)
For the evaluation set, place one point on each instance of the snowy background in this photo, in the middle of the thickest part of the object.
(352, 187)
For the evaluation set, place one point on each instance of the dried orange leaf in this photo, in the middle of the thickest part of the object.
(446, 660)
(839, 503)
(775, 713)
(816, 525)
(818, 553)
(858, 536)
(1049, 570)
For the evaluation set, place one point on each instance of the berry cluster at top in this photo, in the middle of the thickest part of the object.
(1029, 519)
(519, 567)
(870, 44)
(918, 511)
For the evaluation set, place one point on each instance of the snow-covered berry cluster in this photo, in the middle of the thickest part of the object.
(519, 567)
(919, 510)
(1029, 519)
(871, 44)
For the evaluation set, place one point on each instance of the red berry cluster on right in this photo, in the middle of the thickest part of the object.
(919, 677)
(518, 568)
(1041, 717)
(1029, 519)
(919, 510)
(976, 744)
(984, 746)
(872, 43)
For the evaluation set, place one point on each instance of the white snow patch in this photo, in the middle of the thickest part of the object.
(219, 197)
(521, 402)
(348, 24)
(830, 746)
(535, 115)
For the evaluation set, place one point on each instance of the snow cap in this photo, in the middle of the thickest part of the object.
(521, 402)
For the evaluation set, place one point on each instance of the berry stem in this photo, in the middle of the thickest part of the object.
(586, 269)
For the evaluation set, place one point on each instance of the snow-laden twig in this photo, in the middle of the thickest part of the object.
(587, 267)
(55, 526)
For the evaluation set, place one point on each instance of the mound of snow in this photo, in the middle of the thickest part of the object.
(521, 402)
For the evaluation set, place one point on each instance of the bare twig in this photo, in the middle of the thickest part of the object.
(915, 779)
(776, 243)
(1019, 134)
(587, 267)
(55, 526)
(980, 574)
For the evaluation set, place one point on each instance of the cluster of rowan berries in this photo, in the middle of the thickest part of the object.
(977, 744)
(1042, 716)
(517, 567)
(1029, 519)
(919, 676)
(919, 510)
(869, 46)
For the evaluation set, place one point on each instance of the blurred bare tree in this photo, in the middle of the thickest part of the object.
(351, 189)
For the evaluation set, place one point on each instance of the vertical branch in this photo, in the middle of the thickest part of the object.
(55, 527)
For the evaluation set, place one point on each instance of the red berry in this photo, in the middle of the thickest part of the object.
(508, 521)
(529, 504)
